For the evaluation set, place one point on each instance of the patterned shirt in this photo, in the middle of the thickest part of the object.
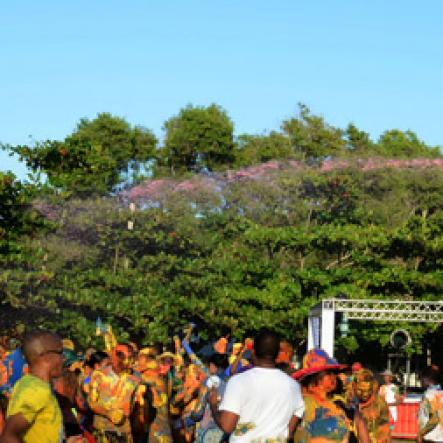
(115, 394)
(323, 422)
(160, 429)
(376, 413)
(430, 414)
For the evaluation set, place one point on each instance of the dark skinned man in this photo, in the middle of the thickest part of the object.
(262, 403)
(34, 415)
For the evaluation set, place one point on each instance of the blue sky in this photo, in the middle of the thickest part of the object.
(376, 63)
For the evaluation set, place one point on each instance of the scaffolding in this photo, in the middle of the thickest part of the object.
(321, 321)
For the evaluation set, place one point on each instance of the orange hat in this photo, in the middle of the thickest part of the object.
(315, 361)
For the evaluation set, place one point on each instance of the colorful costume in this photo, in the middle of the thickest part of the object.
(286, 353)
(323, 421)
(13, 367)
(206, 429)
(430, 414)
(159, 429)
(372, 406)
(114, 395)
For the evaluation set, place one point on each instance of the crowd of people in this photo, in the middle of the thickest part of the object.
(242, 392)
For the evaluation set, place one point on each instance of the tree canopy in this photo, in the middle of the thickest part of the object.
(93, 158)
(198, 138)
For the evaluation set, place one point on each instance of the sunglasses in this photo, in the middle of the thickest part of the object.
(52, 351)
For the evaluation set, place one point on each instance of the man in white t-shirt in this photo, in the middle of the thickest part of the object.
(390, 393)
(263, 403)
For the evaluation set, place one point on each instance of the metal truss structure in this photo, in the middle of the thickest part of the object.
(388, 310)
(321, 322)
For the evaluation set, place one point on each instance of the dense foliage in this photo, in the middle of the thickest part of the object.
(94, 158)
(228, 254)
(197, 138)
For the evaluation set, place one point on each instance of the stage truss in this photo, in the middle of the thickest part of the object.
(322, 316)
(387, 310)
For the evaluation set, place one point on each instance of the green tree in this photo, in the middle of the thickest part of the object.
(20, 255)
(254, 149)
(94, 158)
(359, 142)
(17, 217)
(311, 137)
(405, 144)
(198, 138)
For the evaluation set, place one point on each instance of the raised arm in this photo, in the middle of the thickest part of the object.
(193, 356)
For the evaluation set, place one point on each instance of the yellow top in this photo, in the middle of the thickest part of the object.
(34, 400)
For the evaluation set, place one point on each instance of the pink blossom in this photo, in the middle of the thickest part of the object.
(153, 190)
(149, 188)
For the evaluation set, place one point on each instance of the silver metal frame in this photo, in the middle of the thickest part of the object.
(321, 322)
(388, 310)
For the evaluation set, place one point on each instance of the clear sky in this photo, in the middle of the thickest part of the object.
(377, 63)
